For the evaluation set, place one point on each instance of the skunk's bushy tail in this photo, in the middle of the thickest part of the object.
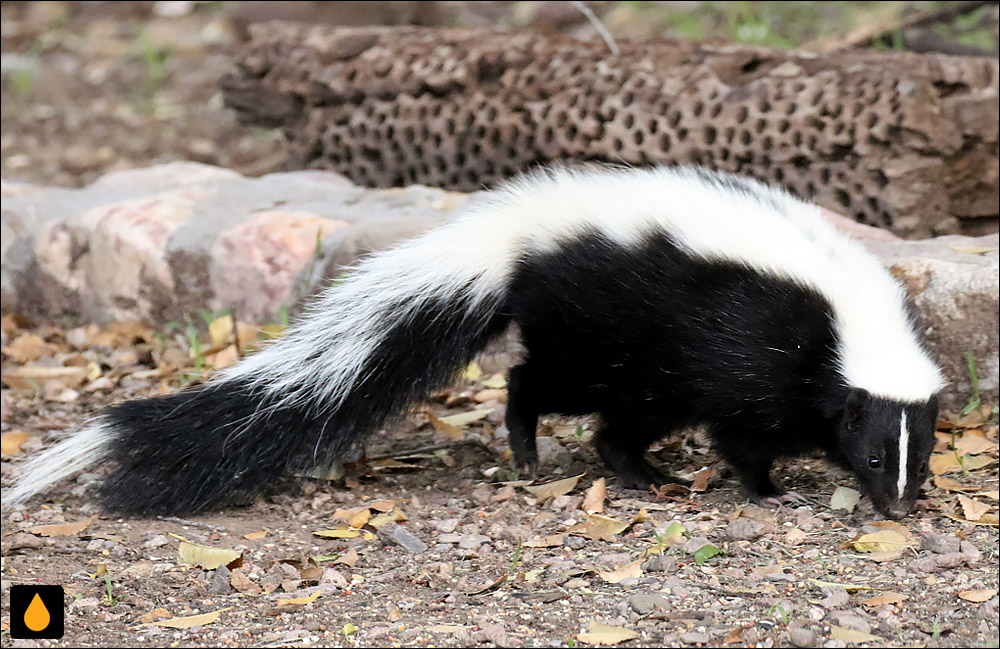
(399, 325)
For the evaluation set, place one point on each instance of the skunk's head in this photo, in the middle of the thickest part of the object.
(888, 444)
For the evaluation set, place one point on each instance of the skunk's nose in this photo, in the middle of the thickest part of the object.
(897, 512)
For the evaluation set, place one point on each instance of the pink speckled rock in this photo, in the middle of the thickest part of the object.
(256, 262)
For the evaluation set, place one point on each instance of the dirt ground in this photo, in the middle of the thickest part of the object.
(434, 541)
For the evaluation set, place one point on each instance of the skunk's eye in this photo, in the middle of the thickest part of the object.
(923, 468)
(874, 462)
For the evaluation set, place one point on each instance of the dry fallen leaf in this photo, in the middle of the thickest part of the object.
(10, 443)
(31, 379)
(881, 541)
(972, 510)
(550, 541)
(700, 478)
(307, 599)
(343, 532)
(886, 598)
(974, 442)
(384, 519)
(941, 463)
(207, 557)
(465, 418)
(553, 489)
(593, 502)
(852, 636)
(356, 517)
(496, 382)
(254, 536)
(599, 528)
(155, 614)
(734, 636)
(61, 529)
(450, 431)
(978, 596)
(28, 347)
(349, 558)
(220, 331)
(845, 498)
(604, 634)
(633, 569)
(189, 621)
(950, 484)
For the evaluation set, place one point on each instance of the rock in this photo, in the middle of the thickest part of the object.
(646, 603)
(694, 638)
(473, 541)
(403, 537)
(801, 635)
(551, 453)
(446, 526)
(851, 621)
(971, 552)
(940, 543)
(21, 541)
(744, 529)
(924, 564)
(222, 581)
(660, 563)
(836, 596)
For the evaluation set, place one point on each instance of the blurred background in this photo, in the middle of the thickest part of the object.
(91, 87)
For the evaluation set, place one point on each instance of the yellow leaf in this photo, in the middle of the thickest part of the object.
(465, 418)
(189, 621)
(599, 528)
(972, 510)
(61, 529)
(497, 381)
(383, 519)
(887, 598)
(553, 489)
(307, 599)
(253, 536)
(978, 596)
(350, 628)
(975, 250)
(604, 634)
(220, 331)
(593, 502)
(208, 557)
(881, 541)
(633, 569)
(472, 371)
(10, 443)
(850, 635)
(224, 357)
(339, 533)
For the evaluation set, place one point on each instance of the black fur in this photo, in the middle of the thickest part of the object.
(222, 444)
(655, 340)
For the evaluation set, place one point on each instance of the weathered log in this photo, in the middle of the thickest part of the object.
(897, 140)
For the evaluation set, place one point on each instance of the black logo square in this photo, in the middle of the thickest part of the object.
(37, 612)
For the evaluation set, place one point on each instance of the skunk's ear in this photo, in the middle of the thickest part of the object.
(855, 409)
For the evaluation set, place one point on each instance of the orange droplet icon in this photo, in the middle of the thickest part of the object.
(37, 616)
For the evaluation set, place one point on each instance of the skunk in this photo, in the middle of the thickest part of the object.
(657, 298)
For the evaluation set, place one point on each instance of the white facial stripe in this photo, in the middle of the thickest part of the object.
(904, 446)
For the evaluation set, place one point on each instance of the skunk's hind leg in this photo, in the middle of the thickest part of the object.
(751, 465)
(623, 449)
(522, 417)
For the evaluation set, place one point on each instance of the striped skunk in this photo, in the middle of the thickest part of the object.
(657, 298)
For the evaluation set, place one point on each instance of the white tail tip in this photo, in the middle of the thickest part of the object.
(83, 449)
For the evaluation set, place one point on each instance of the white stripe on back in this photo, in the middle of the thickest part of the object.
(904, 445)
